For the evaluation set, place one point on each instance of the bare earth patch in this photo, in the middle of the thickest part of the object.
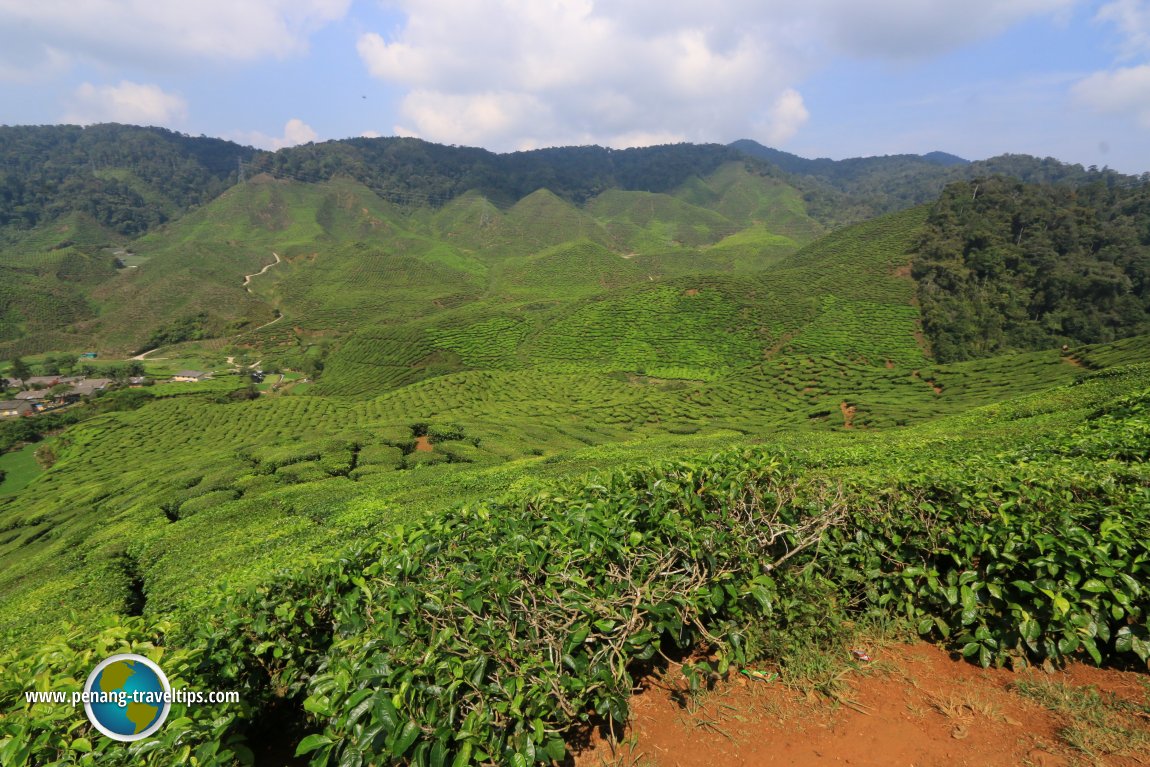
(907, 705)
(848, 411)
(423, 444)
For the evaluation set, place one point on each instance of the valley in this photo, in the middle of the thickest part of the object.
(532, 423)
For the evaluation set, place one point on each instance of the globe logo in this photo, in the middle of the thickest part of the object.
(127, 697)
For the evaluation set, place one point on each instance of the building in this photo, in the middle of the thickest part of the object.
(191, 376)
(89, 386)
(15, 408)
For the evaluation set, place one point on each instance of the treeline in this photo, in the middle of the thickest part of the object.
(424, 172)
(1004, 265)
(128, 179)
(877, 185)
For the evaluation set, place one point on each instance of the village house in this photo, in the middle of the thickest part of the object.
(89, 386)
(43, 382)
(14, 408)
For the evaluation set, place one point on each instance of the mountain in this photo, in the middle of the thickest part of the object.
(876, 185)
(487, 437)
(345, 249)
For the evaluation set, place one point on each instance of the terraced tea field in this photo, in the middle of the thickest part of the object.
(589, 387)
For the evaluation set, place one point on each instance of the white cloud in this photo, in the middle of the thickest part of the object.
(1132, 17)
(296, 132)
(786, 117)
(148, 32)
(516, 73)
(1124, 91)
(915, 29)
(127, 102)
(513, 73)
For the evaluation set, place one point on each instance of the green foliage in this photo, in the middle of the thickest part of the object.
(1008, 562)
(1002, 265)
(533, 623)
(126, 178)
(59, 734)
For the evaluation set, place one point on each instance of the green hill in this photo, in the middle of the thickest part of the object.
(530, 423)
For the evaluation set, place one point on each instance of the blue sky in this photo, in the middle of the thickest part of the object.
(836, 78)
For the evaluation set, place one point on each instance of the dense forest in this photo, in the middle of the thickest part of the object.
(127, 179)
(876, 185)
(1005, 265)
(411, 169)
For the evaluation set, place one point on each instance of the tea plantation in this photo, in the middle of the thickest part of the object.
(513, 452)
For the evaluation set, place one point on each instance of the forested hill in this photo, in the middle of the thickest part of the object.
(876, 185)
(127, 179)
(1003, 265)
(130, 179)
(419, 171)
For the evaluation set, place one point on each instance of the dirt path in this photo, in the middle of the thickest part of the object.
(269, 324)
(248, 278)
(907, 705)
(848, 411)
(144, 356)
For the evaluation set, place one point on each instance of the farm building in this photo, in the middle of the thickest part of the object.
(191, 376)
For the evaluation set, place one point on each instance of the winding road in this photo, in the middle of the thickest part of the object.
(248, 278)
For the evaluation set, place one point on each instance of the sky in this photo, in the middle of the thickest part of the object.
(820, 78)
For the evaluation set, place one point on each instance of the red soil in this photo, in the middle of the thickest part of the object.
(423, 445)
(908, 705)
(848, 412)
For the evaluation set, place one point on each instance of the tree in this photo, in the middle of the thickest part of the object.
(59, 390)
(19, 369)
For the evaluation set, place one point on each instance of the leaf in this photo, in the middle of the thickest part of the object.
(463, 756)
(1023, 586)
(925, 625)
(1092, 648)
(1141, 648)
(438, 755)
(1030, 630)
(311, 743)
(1094, 586)
(556, 749)
(352, 757)
(407, 736)
(386, 713)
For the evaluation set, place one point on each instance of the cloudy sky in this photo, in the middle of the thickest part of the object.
(835, 78)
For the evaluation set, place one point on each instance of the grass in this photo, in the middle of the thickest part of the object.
(20, 468)
(1095, 724)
